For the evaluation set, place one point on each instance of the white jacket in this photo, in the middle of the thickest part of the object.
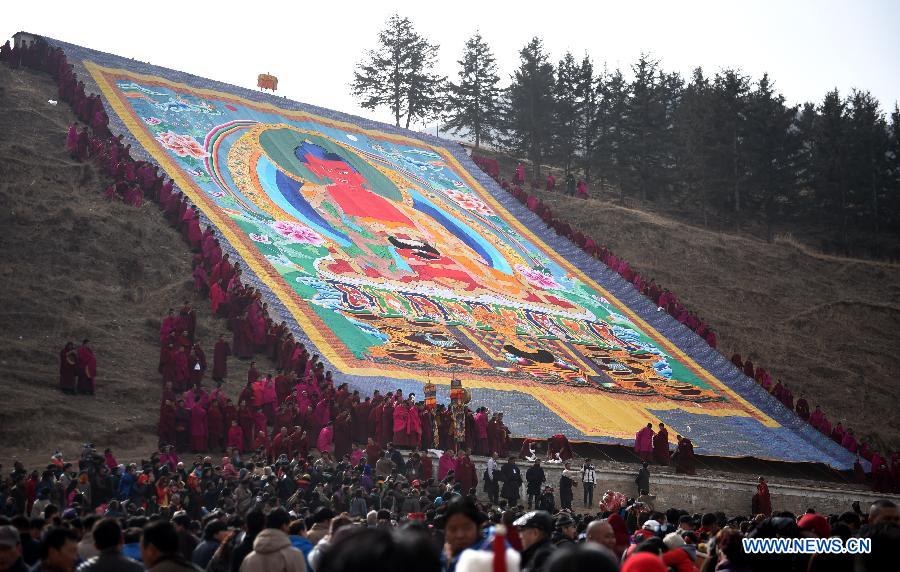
(273, 552)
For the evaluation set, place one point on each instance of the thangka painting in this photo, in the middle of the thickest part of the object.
(396, 263)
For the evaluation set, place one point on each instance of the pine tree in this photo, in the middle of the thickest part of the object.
(609, 147)
(565, 112)
(807, 118)
(586, 97)
(893, 204)
(645, 122)
(473, 103)
(771, 147)
(868, 170)
(730, 89)
(671, 88)
(828, 165)
(399, 74)
(694, 130)
(528, 116)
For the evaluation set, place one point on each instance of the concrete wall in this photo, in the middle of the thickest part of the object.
(698, 494)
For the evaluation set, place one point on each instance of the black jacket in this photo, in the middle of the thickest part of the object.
(643, 480)
(111, 560)
(241, 552)
(534, 558)
(535, 477)
(512, 481)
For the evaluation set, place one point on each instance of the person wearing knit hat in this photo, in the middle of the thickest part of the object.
(673, 540)
(566, 531)
(644, 562)
(815, 524)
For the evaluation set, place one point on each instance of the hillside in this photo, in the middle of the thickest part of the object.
(77, 266)
(828, 327)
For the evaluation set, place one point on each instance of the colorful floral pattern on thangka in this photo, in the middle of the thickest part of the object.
(296, 232)
(181, 145)
(396, 262)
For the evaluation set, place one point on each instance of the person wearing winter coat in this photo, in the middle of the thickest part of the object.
(272, 549)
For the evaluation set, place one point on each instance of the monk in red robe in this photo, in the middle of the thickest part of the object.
(502, 437)
(643, 442)
(465, 473)
(72, 140)
(359, 420)
(215, 423)
(299, 443)
(803, 408)
(166, 426)
(169, 325)
(685, 461)
(661, 445)
(343, 437)
(235, 436)
(182, 426)
(762, 500)
(401, 417)
(559, 444)
(387, 419)
(87, 369)
(837, 434)
(281, 443)
(220, 359)
(199, 428)
(849, 441)
(181, 369)
(68, 368)
(749, 371)
(373, 452)
(445, 428)
(247, 421)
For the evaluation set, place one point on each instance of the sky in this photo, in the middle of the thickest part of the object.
(808, 47)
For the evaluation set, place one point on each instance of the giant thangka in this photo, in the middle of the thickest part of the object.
(401, 263)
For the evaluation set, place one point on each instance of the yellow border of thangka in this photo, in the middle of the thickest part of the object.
(289, 298)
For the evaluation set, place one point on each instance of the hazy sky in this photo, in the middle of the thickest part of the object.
(807, 47)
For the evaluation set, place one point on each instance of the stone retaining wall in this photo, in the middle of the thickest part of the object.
(697, 494)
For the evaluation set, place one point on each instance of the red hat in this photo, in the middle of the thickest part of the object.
(644, 562)
(815, 523)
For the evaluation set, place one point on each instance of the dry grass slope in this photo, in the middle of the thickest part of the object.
(77, 266)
